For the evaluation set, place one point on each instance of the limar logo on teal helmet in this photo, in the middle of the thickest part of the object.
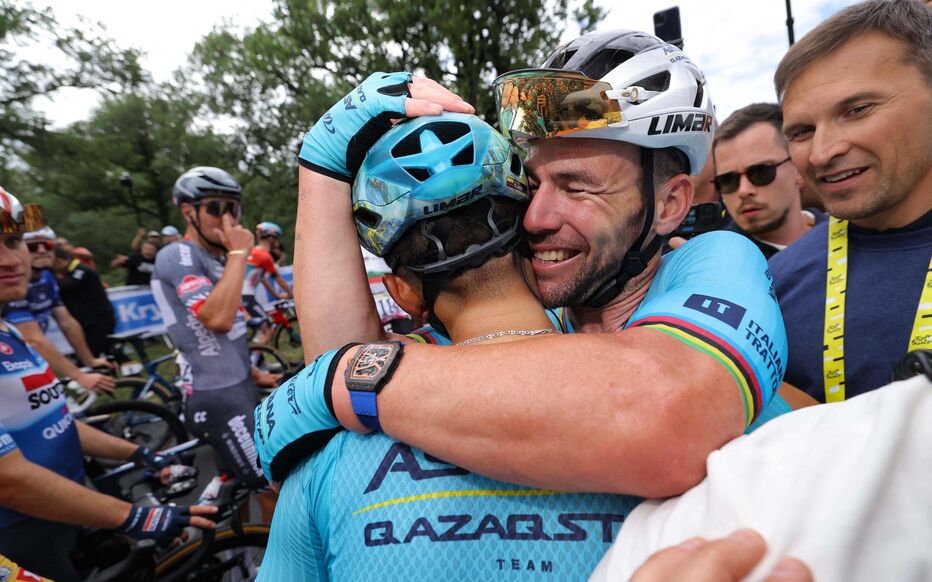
(427, 167)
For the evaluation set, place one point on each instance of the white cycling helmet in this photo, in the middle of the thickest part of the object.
(622, 85)
(17, 218)
(44, 234)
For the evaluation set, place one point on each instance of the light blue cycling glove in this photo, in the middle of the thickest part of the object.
(338, 142)
(297, 418)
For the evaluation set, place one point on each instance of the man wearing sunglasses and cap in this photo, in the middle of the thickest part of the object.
(196, 284)
(758, 184)
(676, 356)
(31, 315)
(43, 503)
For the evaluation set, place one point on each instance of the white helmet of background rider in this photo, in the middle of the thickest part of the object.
(621, 85)
(44, 234)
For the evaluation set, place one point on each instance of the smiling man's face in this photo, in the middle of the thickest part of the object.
(586, 211)
(859, 125)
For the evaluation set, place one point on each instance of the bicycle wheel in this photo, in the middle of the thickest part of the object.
(268, 359)
(287, 340)
(232, 557)
(144, 423)
(131, 388)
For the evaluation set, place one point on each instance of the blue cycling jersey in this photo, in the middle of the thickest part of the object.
(33, 414)
(368, 506)
(715, 294)
(41, 298)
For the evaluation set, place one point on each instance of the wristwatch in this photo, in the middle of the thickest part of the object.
(368, 372)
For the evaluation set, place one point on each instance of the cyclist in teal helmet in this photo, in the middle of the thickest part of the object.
(441, 198)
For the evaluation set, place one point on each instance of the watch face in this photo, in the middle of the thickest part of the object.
(370, 362)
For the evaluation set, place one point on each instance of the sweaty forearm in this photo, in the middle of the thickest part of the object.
(34, 490)
(95, 443)
(333, 300)
(218, 312)
(622, 413)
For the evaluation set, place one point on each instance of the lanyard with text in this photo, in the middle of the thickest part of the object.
(836, 281)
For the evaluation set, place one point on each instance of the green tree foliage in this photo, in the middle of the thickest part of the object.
(84, 59)
(152, 135)
(277, 79)
(243, 103)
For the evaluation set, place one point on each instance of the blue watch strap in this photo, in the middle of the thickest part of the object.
(369, 369)
(366, 407)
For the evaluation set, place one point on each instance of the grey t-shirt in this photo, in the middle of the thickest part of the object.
(184, 276)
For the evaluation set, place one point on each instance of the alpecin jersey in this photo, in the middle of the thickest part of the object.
(33, 415)
(41, 298)
(184, 276)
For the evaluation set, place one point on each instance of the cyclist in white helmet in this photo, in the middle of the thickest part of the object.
(676, 356)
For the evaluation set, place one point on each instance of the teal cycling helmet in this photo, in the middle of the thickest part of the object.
(271, 229)
(427, 167)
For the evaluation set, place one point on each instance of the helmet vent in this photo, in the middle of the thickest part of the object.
(367, 217)
(658, 82)
(419, 174)
(604, 61)
(515, 164)
(446, 131)
(465, 157)
(699, 93)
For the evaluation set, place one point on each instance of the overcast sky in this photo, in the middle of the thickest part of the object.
(737, 43)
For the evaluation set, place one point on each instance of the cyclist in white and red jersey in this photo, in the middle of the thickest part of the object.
(42, 500)
(259, 267)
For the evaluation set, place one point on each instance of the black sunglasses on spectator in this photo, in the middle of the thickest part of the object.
(220, 207)
(758, 174)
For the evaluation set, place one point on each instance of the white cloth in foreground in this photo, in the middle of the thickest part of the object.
(846, 487)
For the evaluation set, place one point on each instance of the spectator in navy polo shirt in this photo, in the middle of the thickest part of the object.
(856, 291)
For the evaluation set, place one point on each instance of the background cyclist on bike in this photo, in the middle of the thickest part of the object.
(260, 266)
(42, 447)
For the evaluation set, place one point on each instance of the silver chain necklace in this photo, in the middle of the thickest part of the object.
(525, 332)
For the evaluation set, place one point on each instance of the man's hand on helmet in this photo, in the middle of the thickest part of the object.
(336, 145)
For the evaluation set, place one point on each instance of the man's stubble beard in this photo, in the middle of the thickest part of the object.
(586, 282)
(769, 226)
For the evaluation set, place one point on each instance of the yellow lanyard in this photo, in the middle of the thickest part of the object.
(836, 281)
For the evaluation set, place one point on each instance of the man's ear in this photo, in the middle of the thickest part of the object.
(188, 211)
(673, 201)
(408, 294)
